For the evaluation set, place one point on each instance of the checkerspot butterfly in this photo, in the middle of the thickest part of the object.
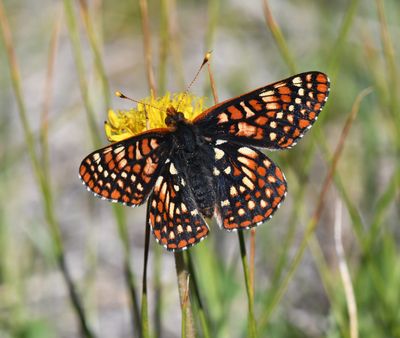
(210, 166)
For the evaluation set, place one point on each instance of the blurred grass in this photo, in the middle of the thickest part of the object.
(355, 42)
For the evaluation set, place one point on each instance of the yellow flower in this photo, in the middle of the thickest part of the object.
(124, 124)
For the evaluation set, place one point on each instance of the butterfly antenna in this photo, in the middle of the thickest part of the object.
(205, 60)
(122, 96)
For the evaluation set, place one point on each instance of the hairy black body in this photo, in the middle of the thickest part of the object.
(192, 155)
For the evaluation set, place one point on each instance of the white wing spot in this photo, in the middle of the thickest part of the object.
(218, 153)
(216, 172)
(172, 169)
(225, 203)
(218, 142)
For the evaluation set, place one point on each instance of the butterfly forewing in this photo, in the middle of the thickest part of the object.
(250, 187)
(173, 215)
(274, 116)
(126, 171)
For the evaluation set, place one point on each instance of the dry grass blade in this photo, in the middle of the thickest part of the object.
(147, 45)
(345, 274)
(278, 36)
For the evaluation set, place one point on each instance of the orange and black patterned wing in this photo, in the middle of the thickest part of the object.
(249, 186)
(126, 171)
(172, 212)
(274, 116)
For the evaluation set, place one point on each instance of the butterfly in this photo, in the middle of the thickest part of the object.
(210, 166)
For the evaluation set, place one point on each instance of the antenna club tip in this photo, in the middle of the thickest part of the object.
(207, 57)
(119, 94)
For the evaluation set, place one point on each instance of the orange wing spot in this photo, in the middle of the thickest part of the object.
(91, 184)
(229, 225)
(281, 190)
(247, 197)
(276, 201)
(182, 243)
(236, 114)
(201, 233)
(322, 88)
(82, 170)
(284, 90)
(172, 246)
(321, 97)
(164, 241)
(271, 114)
(130, 152)
(257, 106)
(137, 168)
(317, 106)
(111, 165)
(236, 171)
(105, 193)
(311, 115)
(286, 129)
(287, 143)
(278, 173)
(156, 232)
(88, 161)
(108, 157)
(322, 78)
(160, 206)
(286, 98)
(262, 121)
(145, 146)
(125, 198)
(269, 212)
(261, 171)
(260, 134)
(115, 194)
(257, 194)
(86, 177)
(303, 123)
(145, 178)
(191, 240)
(296, 132)
(258, 218)
(245, 224)
(261, 183)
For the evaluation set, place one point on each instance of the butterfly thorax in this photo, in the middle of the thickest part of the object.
(192, 156)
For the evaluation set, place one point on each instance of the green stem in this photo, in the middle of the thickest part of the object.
(250, 295)
(182, 274)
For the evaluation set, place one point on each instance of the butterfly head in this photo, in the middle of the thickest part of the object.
(173, 117)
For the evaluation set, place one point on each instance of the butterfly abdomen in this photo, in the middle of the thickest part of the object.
(193, 157)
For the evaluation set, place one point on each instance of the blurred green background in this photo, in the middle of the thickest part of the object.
(72, 55)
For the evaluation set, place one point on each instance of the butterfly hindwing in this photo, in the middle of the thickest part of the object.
(173, 215)
(274, 116)
(250, 187)
(126, 171)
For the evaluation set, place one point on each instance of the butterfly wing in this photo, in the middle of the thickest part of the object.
(274, 116)
(249, 186)
(173, 215)
(126, 171)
